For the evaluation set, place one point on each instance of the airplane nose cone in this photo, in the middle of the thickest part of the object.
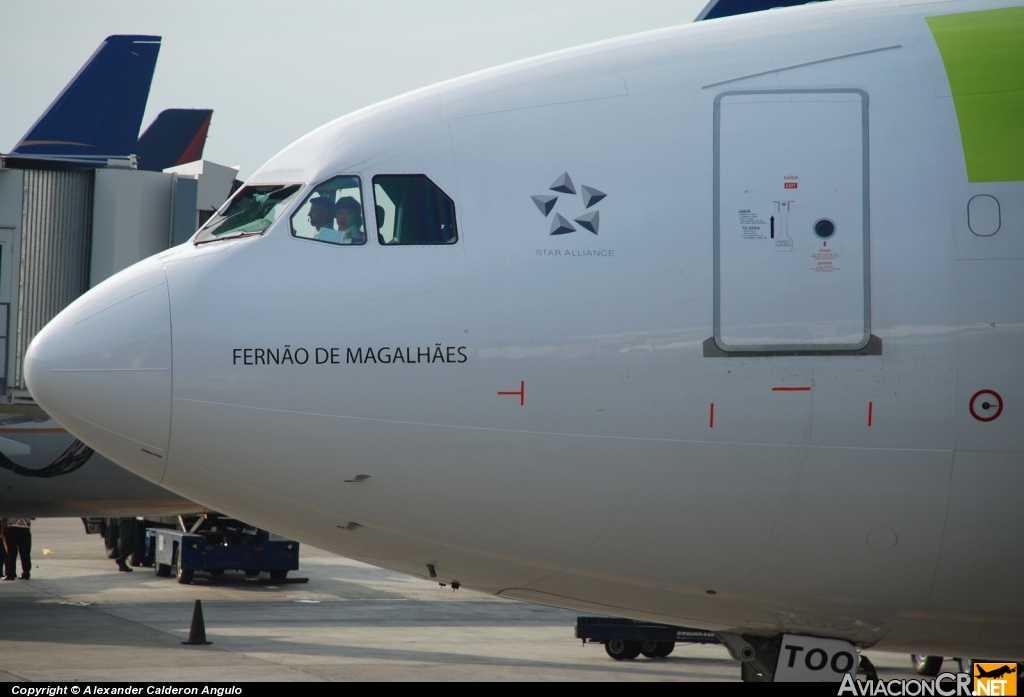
(102, 368)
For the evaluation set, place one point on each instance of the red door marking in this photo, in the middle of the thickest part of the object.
(791, 389)
(521, 392)
(712, 423)
(998, 403)
(870, 408)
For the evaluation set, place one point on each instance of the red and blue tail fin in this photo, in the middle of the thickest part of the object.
(176, 136)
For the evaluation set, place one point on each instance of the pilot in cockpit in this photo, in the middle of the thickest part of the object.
(349, 215)
(321, 217)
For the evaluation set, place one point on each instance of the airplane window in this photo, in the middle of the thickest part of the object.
(333, 213)
(411, 209)
(249, 212)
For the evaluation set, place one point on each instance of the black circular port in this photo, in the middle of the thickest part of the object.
(824, 228)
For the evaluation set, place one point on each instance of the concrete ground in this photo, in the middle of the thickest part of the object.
(79, 619)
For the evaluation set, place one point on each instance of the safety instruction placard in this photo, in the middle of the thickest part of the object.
(826, 257)
(752, 225)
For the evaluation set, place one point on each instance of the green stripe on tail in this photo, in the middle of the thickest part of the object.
(984, 57)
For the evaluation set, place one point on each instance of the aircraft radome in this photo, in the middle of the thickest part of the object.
(718, 325)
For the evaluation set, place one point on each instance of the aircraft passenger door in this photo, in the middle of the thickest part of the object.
(791, 221)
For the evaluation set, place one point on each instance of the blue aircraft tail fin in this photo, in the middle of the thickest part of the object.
(99, 113)
(176, 136)
(729, 8)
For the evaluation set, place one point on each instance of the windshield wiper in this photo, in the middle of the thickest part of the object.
(235, 236)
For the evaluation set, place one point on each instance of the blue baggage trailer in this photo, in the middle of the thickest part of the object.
(626, 639)
(215, 545)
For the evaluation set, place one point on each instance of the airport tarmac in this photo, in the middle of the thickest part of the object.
(79, 619)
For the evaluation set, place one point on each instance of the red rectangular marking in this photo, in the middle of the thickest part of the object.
(791, 389)
(791, 185)
(711, 424)
(870, 409)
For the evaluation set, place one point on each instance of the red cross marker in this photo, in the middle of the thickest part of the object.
(521, 392)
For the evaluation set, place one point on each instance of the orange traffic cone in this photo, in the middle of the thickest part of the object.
(197, 632)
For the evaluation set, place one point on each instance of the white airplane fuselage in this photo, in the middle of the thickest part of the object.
(701, 414)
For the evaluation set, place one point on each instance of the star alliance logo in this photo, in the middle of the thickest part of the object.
(560, 225)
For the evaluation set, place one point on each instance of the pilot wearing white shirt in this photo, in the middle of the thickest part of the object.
(321, 217)
(349, 215)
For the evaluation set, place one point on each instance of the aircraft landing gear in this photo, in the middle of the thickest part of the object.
(867, 668)
(757, 655)
(926, 665)
(796, 658)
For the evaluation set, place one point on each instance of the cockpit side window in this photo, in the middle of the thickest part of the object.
(412, 210)
(249, 212)
(332, 213)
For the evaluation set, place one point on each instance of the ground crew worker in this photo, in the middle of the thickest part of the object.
(127, 540)
(18, 541)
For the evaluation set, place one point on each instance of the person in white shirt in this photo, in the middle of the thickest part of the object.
(321, 217)
(349, 215)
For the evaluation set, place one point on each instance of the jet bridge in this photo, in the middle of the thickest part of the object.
(64, 229)
(83, 196)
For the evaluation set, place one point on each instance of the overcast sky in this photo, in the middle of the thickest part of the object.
(273, 71)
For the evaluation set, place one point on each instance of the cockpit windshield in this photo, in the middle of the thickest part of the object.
(250, 212)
